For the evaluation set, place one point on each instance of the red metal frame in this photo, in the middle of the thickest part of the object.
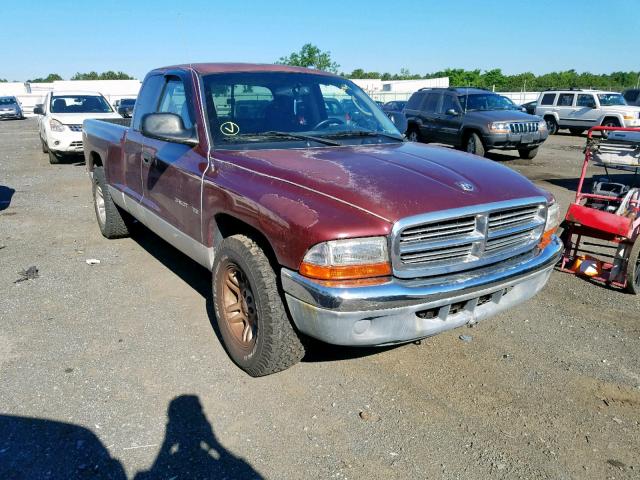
(583, 221)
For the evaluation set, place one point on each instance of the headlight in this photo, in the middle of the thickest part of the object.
(499, 127)
(542, 125)
(347, 259)
(552, 223)
(55, 125)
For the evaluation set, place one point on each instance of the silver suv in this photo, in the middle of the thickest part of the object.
(579, 110)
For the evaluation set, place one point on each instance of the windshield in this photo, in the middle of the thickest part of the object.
(484, 102)
(248, 109)
(79, 104)
(610, 99)
(7, 100)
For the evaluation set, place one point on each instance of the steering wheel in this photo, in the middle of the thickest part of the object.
(327, 122)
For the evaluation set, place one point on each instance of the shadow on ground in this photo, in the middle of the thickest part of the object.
(33, 448)
(199, 279)
(6, 194)
(571, 184)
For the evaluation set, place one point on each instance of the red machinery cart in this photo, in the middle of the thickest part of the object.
(610, 212)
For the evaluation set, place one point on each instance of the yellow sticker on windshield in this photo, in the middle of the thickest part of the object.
(229, 128)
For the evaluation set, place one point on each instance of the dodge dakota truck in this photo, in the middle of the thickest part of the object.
(316, 223)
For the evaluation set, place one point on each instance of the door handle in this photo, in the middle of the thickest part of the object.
(148, 158)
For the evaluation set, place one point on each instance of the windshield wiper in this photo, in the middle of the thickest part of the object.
(363, 133)
(300, 137)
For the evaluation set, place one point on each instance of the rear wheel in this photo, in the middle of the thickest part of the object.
(552, 125)
(528, 153)
(576, 131)
(111, 219)
(413, 135)
(44, 146)
(251, 316)
(54, 158)
(474, 144)
(633, 269)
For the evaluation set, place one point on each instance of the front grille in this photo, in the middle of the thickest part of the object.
(75, 144)
(461, 239)
(523, 127)
(75, 128)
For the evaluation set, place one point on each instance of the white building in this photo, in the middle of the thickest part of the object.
(387, 90)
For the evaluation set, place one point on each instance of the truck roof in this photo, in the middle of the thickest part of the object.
(208, 68)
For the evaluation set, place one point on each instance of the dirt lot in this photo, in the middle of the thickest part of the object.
(114, 370)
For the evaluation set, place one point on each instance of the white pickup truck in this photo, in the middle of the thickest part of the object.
(61, 117)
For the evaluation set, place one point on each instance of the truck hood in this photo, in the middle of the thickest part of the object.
(622, 109)
(502, 116)
(78, 118)
(390, 181)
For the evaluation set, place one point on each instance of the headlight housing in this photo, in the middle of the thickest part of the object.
(499, 127)
(552, 223)
(55, 125)
(347, 259)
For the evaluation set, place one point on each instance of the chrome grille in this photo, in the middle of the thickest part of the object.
(465, 238)
(523, 127)
(75, 128)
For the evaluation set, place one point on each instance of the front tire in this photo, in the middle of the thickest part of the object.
(413, 135)
(251, 316)
(110, 218)
(528, 153)
(552, 125)
(54, 158)
(474, 145)
(633, 269)
(609, 122)
(45, 149)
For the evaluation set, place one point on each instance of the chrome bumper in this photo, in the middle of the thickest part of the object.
(405, 310)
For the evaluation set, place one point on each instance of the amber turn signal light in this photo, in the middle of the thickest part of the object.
(346, 272)
(546, 238)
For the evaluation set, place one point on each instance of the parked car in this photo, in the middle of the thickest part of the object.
(514, 105)
(530, 107)
(473, 119)
(61, 117)
(579, 110)
(632, 96)
(10, 108)
(313, 225)
(394, 106)
(125, 107)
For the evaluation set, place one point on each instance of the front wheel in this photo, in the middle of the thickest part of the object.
(633, 269)
(474, 145)
(528, 153)
(552, 125)
(413, 135)
(251, 316)
(609, 122)
(54, 158)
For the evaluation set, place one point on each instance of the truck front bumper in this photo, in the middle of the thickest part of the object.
(515, 141)
(399, 311)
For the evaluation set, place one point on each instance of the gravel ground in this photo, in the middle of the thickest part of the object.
(114, 370)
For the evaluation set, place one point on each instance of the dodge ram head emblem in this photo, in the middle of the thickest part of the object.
(466, 186)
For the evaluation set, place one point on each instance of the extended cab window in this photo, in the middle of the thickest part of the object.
(565, 100)
(174, 100)
(548, 98)
(585, 101)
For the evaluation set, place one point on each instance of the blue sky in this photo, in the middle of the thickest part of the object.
(66, 36)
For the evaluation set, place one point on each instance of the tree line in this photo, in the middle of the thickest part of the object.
(311, 56)
(108, 75)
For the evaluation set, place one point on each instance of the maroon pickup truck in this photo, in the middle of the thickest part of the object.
(313, 213)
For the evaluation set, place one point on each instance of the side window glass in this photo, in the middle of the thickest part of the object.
(548, 98)
(431, 102)
(174, 100)
(415, 101)
(585, 101)
(147, 99)
(448, 103)
(565, 100)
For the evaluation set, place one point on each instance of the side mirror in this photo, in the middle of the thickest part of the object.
(167, 127)
(399, 120)
(452, 111)
(38, 110)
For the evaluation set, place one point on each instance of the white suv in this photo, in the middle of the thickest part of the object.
(61, 117)
(579, 110)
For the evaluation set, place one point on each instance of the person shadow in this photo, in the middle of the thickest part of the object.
(6, 193)
(190, 449)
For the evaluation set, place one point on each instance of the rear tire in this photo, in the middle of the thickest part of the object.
(474, 145)
(413, 135)
(528, 153)
(251, 316)
(576, 131)
(54, 158)
(633, 269)
(111, 219)
(552, 125)
(45, 149)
